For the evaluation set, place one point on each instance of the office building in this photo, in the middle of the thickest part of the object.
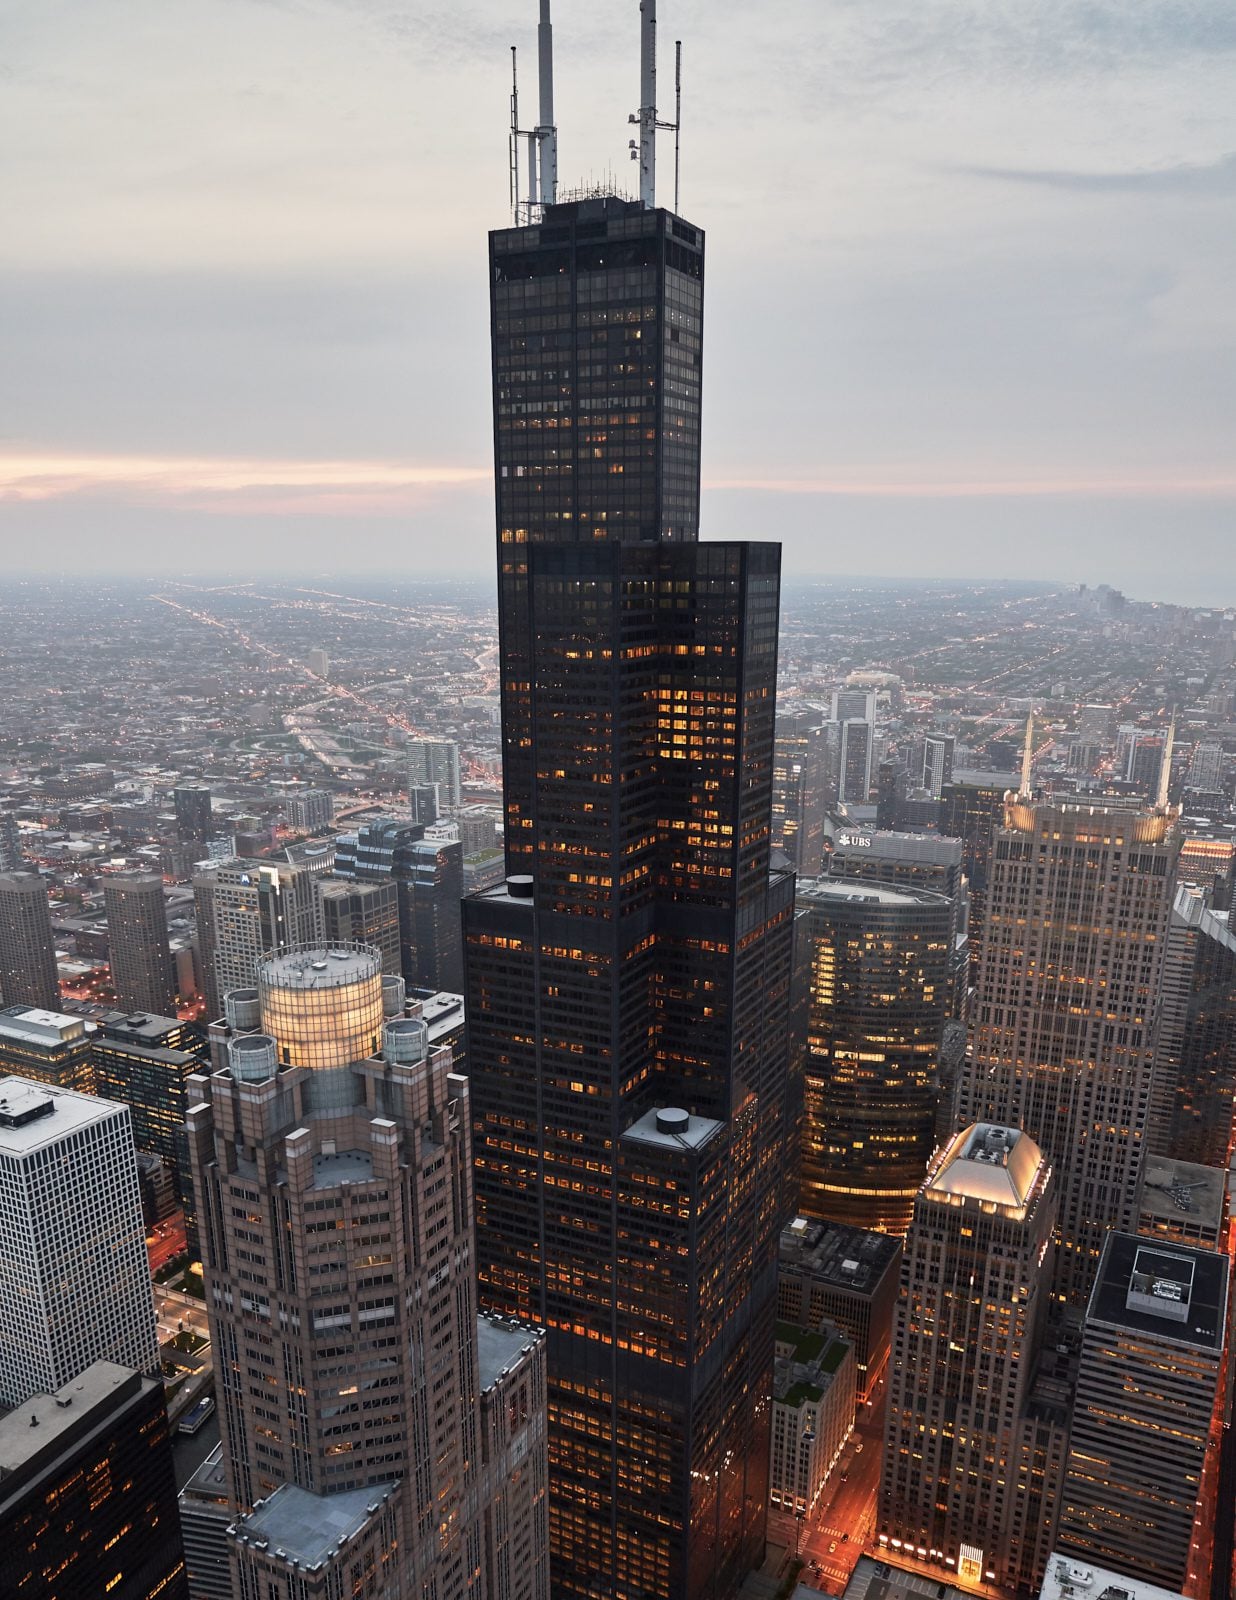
(194, 813)
(1206, 767)
(1067, 1578)
(423, 803)
(975, 1283)
(27, 954)
(854, 705)
(1096, 724)
(428, 876)
(331, 1167)
(88, 1493)
(878, 961)
(134, 1062)
(832, 1273)
(72, 1243)
(907, 860)
(1079, 906)
(436, 761)
(205, 1516)
(478, 830)
(971, 809)
(362, 913)
(1152, 1349)
(46, 1047)
(856, 762)
(245, 909)
(938, 751)
(1195, 1065)
(798, 795)
(310, 810)
(140, 955)
(11, 856)
(812, 1413)
(1179, 1202)
(628, 986)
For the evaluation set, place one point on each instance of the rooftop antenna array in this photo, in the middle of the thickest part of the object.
(645, 149)
(542, 141)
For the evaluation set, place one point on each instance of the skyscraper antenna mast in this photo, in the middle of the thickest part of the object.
(1027, 761)
(645, 150)
(542, 140)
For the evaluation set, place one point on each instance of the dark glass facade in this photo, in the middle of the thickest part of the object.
(639, 955)
(971, 809)
(878, 965)
(429, 876)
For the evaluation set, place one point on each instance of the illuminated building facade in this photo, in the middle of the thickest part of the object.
(88, 1493)
(132, 1063)
(48, 1047)
(879, 989)
(364, 913)
(975, 1283)
(1152, 1348)
(1067, 1007)
(937, 762)
(74, 1275)
(244, 909)
(27, 953)
(139, 951)
(636, 963)
(799, 763)
(331, 1169)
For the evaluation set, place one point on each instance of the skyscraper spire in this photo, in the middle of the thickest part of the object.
(1027, 759)
(1165, 764)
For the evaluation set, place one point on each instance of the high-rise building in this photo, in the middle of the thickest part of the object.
(798, 791)
(938, 762)
(88, 1493)
(73, 1267)
(975, 1283)
(628, 986)
(1067, 1578)
(362, 913)
(46, 1047)
(424, 803)
(436, 761)
(27, 953)
(11, 857)
(331, 1164)
(1152, 1349)
(1206, 766)
(879, 995)
(428, 876)
(245, 909)
(141, 956)
(310, 810)
(971, 809)
(854, 705)
(145, 1063)
(194, 818)
(1067, 1008)
(813, 1413)
(829, 1272)
(318, 661)
(1195, 1075)
(856, 762)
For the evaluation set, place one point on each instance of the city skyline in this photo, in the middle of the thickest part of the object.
(999, 342)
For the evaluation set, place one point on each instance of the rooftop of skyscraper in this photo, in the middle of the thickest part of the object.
(32, 1115)
(307, 1528)
(995, 1166)
(834, 1252)
(36, 1430)
(1172, 1291)
(832, 891)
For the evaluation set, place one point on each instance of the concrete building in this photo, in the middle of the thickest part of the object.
(812, 1413)
(848, 1276)
(798, 800)
(310, 810)
(1067, 1578)
(205, 1516)
(139, 951)
(245, 909)
(47, 1047)
(938, 751)
(331, 1167)
(1180, 1202)
(74, 1278)
(27, 953)
(365, 913)
(436, 761)
(88, 1493)
(1152, 1350)
(1079, 906)
(145, 1062)
(974, 1289)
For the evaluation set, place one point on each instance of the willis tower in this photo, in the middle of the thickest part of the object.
(628, 985)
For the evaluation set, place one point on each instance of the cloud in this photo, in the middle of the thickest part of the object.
(1204, 178)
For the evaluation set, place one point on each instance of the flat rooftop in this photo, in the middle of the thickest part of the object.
(501, 1345)
(320, 967)
(695, 1131)
(874, 1579)
(33, 1025)
(345, 1166)
(33, 1430)
(1067, 1578)
(33, 1115)
(865, 891)
(976, 778)
(306, 1527)
(1182, 1191)
(1172, 1291)
(838, 1254)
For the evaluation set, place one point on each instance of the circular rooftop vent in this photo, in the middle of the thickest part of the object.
(673, 1119)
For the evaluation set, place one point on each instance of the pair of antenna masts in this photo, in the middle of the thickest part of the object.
(542, 141)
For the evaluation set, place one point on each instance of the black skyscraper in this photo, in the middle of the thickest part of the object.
(628, 986)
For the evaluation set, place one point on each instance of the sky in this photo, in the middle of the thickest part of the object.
(969, 305)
